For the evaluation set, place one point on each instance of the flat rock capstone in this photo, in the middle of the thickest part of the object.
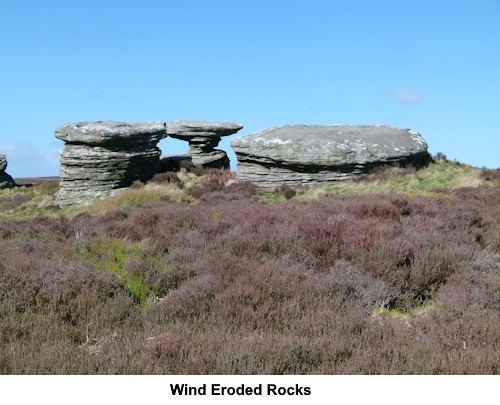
(203, 138)
(314, 154)
(103, 156)
(6, 181)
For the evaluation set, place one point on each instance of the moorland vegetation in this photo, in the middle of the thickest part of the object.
(193, 273)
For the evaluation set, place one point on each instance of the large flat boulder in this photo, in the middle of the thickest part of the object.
(313, 154)
(203, 138)
(103, 156)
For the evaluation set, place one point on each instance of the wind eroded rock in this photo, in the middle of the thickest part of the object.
(6, 181)
(203, 138)
(313, 154)
(102, 156)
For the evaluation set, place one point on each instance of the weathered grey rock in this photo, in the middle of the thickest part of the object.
(48, 200)
(6, 181)
(203, 138)
(102, 133)
(313, 154)
(100, 157)
(173, 162)
(3, 163)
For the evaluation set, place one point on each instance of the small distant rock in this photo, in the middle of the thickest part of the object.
(3, 163)
(314, 154)
(46, 201)
(6, 181)
(203, 138)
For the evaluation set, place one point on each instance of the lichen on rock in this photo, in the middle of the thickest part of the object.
(103, 156)
(314, 154)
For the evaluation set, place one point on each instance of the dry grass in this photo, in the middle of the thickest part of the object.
(440, 175)
(133, 197)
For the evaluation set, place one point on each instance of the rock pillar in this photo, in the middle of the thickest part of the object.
(102, 156)
(203, 138)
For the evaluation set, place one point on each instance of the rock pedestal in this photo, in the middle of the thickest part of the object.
(312, 154)
(6, 181)
(102, 156)
(203, 138)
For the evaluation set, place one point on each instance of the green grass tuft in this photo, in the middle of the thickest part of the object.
(111, 255)
(272, 197)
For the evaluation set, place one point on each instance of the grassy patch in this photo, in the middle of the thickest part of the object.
(188, 179)
(424, 182)
(272, 197)
(118, 257)
(134, 197)
(21, 203)
(403, 314)
(28, 202)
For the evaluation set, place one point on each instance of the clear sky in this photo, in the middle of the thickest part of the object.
(432, 66)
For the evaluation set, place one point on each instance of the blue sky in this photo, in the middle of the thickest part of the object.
(432, 66)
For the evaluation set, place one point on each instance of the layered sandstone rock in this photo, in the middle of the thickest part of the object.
(6, 181)
(102, 156)
(203, 138)
(313, 154)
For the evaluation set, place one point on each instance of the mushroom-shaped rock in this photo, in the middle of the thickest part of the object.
(313, 154)
(102, 156)
(203, 138)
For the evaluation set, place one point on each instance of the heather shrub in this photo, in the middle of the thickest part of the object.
(213, 180)
(491, 174)
(167, 177)
(191, 168)
(342, 284)
(233, 191)
(440, 156)
(192, 299)
(8, 202)
(137, 185)
(111, 216)
(286, 191)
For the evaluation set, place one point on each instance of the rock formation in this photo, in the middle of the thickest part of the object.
(312, 154)
(203, 137)
(6, 181)
(3, 163)
(100, 157)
